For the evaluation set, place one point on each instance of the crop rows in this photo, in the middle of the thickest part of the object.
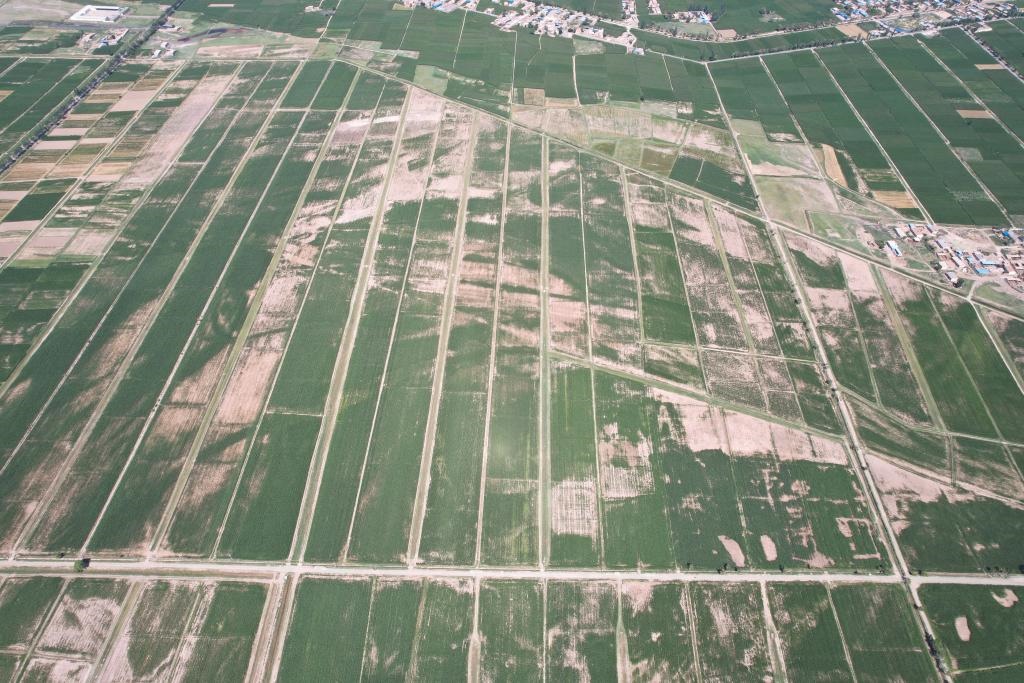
(568, 630)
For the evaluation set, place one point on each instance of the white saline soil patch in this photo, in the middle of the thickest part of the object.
(176, 131)
(625, 463)
(748, 435)
(734, 550)
(963, 630)
(768, 548)
(638, 594)
(1008, 598)
(574, 508)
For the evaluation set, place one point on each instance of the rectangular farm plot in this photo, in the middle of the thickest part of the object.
(716, 319)
(852, 319)
(812, 644)
(748, 93)
(449, 528)
(511, 630)
(633, 519)
(731, 638)
(568, 313)
(510, 525)
(25, 603)
(770, 316)
(977, 629)
(131, 629)
(419, 629)
(385, 319)
(326, 629)
(575, 534)
(266, 503)
(666, 309)
(851, 157)
(996, 86)
(31, 297)
(945, 528)
(659, 629)
(383, 514)
(716, 489)
(988, 466)
(975, 390)
(220, 641)
(83, 617)
(881, 635)
(611, 273)
(581, 631)
(147, 648)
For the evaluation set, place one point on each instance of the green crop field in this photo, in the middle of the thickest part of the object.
(976, 629)
(358, 341)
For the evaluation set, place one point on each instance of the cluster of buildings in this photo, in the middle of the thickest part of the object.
(545, 20)
(165, 50)
(104, 39)
(653, 7)
(954, 258)
(932, 12)
(694, 17)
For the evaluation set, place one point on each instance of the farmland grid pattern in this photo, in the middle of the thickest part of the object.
(510, 278)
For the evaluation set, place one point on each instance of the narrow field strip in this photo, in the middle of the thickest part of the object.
(235, 260)
(87, 365)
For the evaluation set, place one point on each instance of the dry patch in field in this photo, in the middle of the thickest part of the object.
(900, 488)
(832, 167)
(574, 508)
(174, 134)
(748, 435)
(734, 550)
(852, 30)
(55, 144)
(768, 548)
(896, 199)
(625, 463)
(230, 51)
(133, 100)
(67, 132)
(963, 630)
(975, 114)
(48, 242)
(1007, 599)
(29, 170)
(79, 625)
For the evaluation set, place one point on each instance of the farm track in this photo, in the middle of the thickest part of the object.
(269, 572)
